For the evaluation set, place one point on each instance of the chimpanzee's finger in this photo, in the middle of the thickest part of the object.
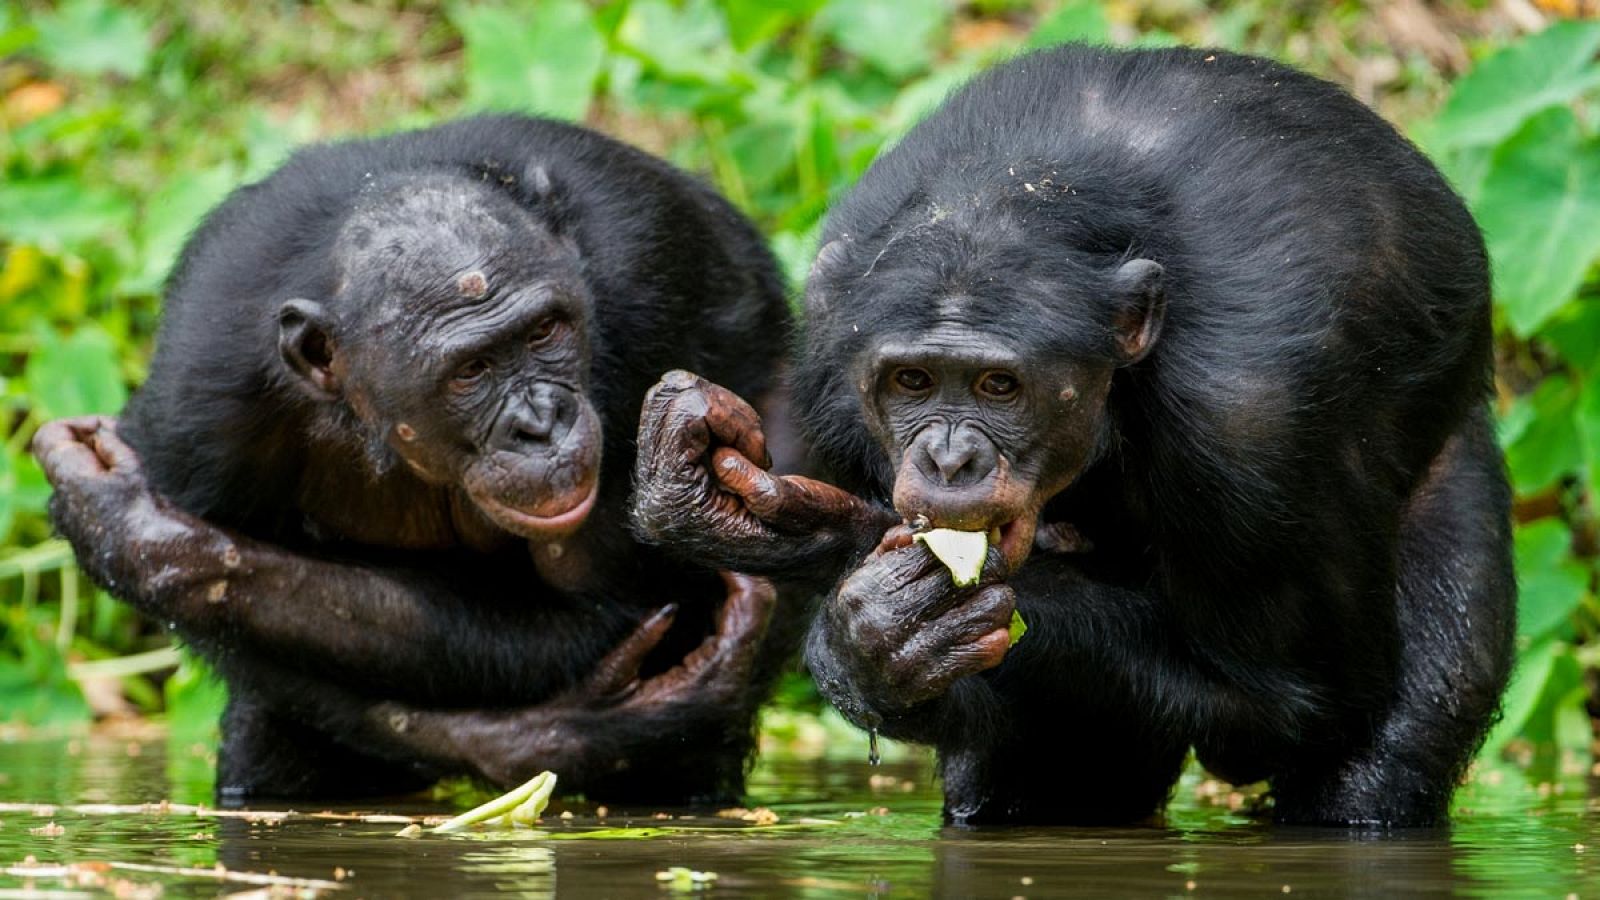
(741, 623)
(735, 423)
(64, 451)
(669, 435)
(973, 636)
(113, 451)
(761, 491)
(619, 670)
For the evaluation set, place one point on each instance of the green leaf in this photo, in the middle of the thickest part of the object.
(169, 217)
(1586, 421)
(1575, 334)
(75, 376)
(35, 689)
(1506, 89)
(752, 22)
(1548, 448)
(53, 212)
(687, 43)
(8, 492)
(1550, 582)
(92, 37)
(896, 36)
(1540, 211)
(1081, 20)
(1521, 698)
(194, 699)
(544, 60)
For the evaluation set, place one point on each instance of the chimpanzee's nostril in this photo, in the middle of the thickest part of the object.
(544, 416)
(959, 456)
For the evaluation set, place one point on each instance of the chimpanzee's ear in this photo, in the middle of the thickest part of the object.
(305, 340)
(829, 258)
(1141, 299)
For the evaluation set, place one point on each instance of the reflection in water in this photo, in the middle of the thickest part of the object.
(1511, 838)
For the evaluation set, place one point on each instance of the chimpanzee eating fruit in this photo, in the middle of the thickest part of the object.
(379, 473)
(1201, 346)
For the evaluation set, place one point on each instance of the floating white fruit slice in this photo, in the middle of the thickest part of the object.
(962, 552)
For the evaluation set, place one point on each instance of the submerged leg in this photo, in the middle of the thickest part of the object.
(1457, 605)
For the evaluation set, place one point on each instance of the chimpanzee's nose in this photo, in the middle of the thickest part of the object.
(960, 456)
(543, 417)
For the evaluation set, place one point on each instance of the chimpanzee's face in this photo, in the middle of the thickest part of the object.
(983, 357)
(463, 344)
(981, 430)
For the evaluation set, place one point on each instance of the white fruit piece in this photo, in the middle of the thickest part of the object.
(518, 807)
(962, 552)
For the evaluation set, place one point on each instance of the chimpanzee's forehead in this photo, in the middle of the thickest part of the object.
(439, 242)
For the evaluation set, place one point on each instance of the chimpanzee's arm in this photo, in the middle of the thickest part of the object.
(1099, 679)
(610, 728)
(360, 624)
(703, 491)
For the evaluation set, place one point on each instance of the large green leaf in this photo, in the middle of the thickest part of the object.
(93, 37)
(687, 42)
(1540, 211)
(1548, 447)
(1080, 20)
(1500, 93)
(1550, 582)
(169, 217)
(76, 375)
(897, 36)
(55, 211)
(543, 60)
(1528, 681)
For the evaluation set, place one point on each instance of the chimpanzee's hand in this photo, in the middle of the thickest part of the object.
(595, 726)
(898, 632)
(129, 540)
(702, 487)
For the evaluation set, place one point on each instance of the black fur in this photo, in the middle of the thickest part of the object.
(1299, 519)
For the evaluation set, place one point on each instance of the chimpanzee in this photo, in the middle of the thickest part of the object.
(386, 443)
(1204, 345)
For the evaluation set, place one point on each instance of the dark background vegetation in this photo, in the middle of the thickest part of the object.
(122, 123)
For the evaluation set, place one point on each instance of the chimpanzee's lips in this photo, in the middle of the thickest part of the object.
(1015, 540)
(542, 526)
(1012, 537)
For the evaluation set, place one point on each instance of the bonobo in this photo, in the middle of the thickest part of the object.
(1204, 346)
(379, 472)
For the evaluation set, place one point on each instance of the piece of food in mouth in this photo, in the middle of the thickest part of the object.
(962, 552)
(520, 806)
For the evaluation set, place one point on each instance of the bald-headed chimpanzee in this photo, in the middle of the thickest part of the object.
(1205, 346)
(386, 443)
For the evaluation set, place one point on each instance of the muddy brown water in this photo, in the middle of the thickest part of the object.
(876, 833)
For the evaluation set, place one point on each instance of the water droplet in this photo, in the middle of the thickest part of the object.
(872, 747)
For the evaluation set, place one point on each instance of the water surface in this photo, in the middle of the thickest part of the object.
(1512, 837)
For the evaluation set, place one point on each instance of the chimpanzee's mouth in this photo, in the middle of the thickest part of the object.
(541, 526)
(1014, 539)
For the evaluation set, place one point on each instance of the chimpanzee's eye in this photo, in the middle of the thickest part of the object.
(544, 330)
(469, 374)
(914, 380)
(998, 384)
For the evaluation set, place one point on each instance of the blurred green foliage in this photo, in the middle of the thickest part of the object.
(122, 123)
